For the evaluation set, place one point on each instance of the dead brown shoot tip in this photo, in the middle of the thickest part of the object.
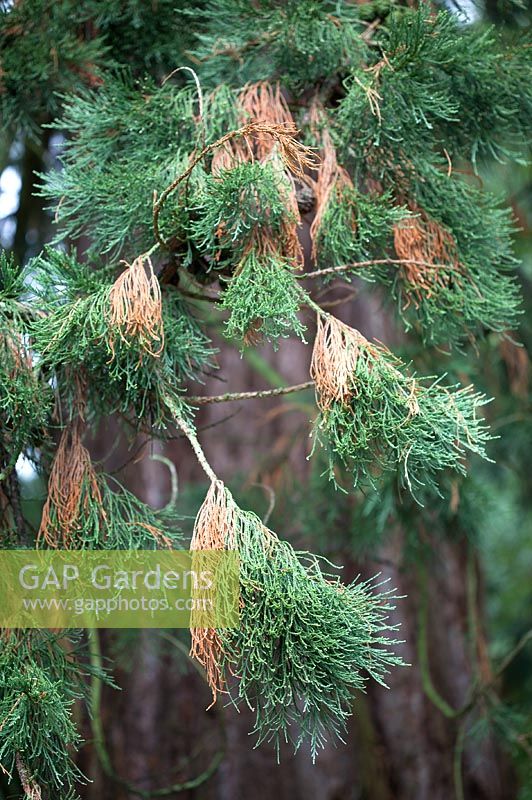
(136, 306)
(334, 360)
(213, 530)
(429, 252)
(71, 483)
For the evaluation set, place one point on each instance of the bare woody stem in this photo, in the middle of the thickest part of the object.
(308, 301)
(318, 273)
(190, 433)
(226, 398)
(31, 788)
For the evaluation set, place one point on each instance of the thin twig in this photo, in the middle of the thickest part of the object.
(159, 201)
(229, 396)
(527, 637)
(13, 707)
(173, 478)
(149, 432)
(478, 688)
(271, 505)
(199, 92)
(318, 273)
(457, 761)
(190, 433)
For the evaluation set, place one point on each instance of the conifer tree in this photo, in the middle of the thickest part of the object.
(198, 142)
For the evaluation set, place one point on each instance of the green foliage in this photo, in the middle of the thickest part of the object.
(360, 523)
(24, 398)
(11, 281)
(238, 205)
(128, 139)
(335, 242)
(263, 299)
(48, 49)
(406, 125)
(305, 640)
(356, 227)
(74, 335)
(410, 98)
(42, 674)
(304, 41)
(67, 335)
(112, 518)
(393, 421)
(41, 53)
(242, 224)
(482, 294)
(24, 401)
(430, 84)
(456, 292)
(149, 36)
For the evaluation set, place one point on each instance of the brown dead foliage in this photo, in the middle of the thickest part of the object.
(331, 177)
(334, 359)
(272, 138)
(429, 252)
(72, 485)
(136, 306)
(213, 530)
